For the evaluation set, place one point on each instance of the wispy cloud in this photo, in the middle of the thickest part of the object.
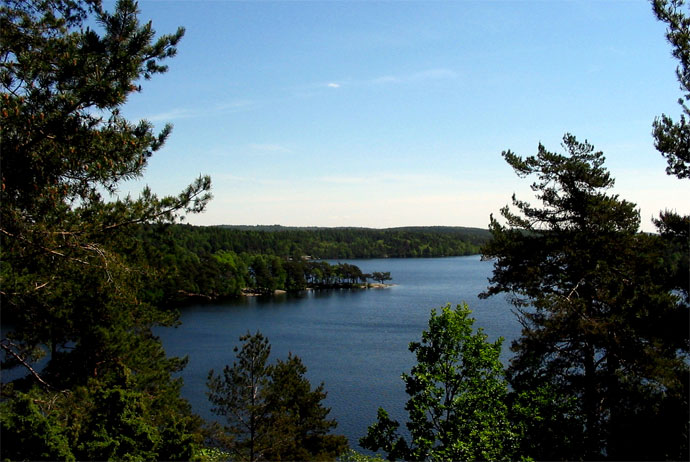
(230, 178)
(173, 114)
(413, 77)
(231, 107)
(269, 148)
(191, 113)
(416, 77)
(346, 180)
(385, 178)
(386, 79)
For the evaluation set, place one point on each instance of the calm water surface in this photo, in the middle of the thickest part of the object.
(355, 341)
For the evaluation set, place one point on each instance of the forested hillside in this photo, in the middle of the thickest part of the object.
(216, 262)
(332, 243)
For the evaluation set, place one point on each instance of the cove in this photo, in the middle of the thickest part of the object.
(353, 340)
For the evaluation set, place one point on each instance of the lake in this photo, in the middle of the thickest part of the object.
(355, 341)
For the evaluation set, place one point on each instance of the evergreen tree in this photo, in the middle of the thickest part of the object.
(297, 412)
(66, 288)
(673, 137)
(457, 406)
(382, 277)
(271, 411)
(239, 395)
(673, 142)
(601, 322)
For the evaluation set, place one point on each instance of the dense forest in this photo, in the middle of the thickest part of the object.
(215, 262)
(316, 243)
(601, 370)
(335, 243)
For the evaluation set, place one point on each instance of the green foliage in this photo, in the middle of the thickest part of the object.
(297, 412)
(330, 243)
(457, 406)
(97, 421)
(547, 423)
(116, 429)
(181, 274)
(68, 289)
(604, 327)
(381, 277)
(675, 237)
(217, 262)
(211, 455)
(354, 456)
(29, 433)
(673, 137)
(239, 396)
(271, 411)
(673, 142)
(337, 243)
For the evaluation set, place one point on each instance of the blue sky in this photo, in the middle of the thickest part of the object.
(395, 113)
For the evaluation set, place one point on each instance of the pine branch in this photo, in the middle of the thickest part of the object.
(5, 344)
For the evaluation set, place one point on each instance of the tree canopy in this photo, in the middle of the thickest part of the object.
(673, 136)
(271, 411)
(601, 320)
(457, 406)
(66, 68)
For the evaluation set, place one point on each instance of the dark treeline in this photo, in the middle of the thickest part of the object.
(332, 243)
(217, 262)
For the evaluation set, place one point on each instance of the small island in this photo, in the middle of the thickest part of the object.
(303, 274)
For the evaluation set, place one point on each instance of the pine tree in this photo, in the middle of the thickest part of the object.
(673, 137)
(601, 323)
(67, 289)
(672, 140)
(271, 411)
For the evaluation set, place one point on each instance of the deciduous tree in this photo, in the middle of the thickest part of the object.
(457, 407)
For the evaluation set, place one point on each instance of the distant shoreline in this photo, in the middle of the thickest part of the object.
(248, 292)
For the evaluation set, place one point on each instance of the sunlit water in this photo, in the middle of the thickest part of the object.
(355, 341)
